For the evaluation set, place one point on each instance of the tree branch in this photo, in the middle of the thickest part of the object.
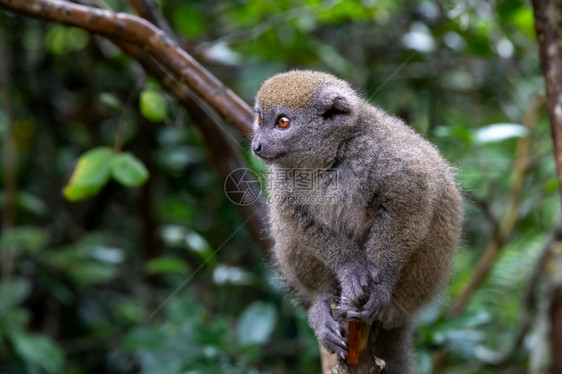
(141, 33)
(548, 14)
(148, 10)
(161, 57)
(547, 19)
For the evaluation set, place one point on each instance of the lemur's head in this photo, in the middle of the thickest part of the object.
(302, 117)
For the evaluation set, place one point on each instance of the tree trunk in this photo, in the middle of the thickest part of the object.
(548, 25)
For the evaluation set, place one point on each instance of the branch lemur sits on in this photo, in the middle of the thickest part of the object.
(376, 225)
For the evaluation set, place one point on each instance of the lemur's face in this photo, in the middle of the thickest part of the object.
(302, 118)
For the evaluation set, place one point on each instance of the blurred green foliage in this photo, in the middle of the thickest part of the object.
(159, 278)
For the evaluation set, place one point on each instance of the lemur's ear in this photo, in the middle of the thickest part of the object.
(333, 101)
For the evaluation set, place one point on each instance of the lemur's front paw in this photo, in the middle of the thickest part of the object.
(354, 281)
(373, 309)
(363, 297)
(327, 329)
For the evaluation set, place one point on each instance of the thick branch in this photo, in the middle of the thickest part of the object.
(137, 31)
(548, 15)
(148, 10)
(548, 25)
(141, 40)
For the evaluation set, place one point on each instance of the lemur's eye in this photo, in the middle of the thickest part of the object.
(283, 122)
(259, 119)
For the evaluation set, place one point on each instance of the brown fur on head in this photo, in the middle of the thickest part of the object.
(294, 89)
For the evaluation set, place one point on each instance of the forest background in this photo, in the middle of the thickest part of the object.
(121, 252)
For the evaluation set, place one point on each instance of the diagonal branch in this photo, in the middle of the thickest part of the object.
(161, 57)
(148, 10)
(141, 33)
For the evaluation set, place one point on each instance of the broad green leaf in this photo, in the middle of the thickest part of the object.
(128, 170)
(110, 100)
(23, 238)
(500, 131)
(91, 173)
(152, 105)
(256, 323)
(26, 201)
(551, 185)
(188, 22)
(165, 264)
(89, 273)
(61, 40)
(31, 203)
(198, 244)
(40, 350)
(523, 19)
(108, 255)
(224, 274)
(130, 310)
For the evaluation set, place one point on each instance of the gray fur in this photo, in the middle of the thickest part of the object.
(384, 238)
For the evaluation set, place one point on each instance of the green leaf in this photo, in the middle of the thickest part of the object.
(28, 202)
(188, 21)
(500, 131)
(144, 339)
(22, 238)
(89, 273)
(128, 170)
(91, 173)
(110, 100)
(523, 19)
(130, 310)
(152, 105)
(256, 323)
(166, 264)
(40, 350)
(199, 245)
(61, 40)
